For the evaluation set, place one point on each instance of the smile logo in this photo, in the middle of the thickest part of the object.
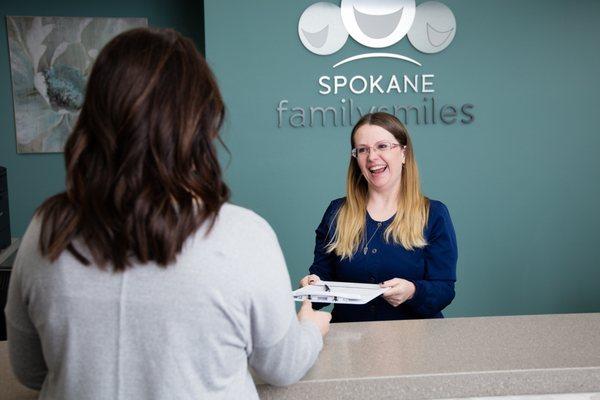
(324, 28)
(433, 28)
(378, 23)
(321, 29)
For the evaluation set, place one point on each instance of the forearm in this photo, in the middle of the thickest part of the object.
(288, 360)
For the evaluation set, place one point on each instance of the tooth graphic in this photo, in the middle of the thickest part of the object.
(434, 27)
(321, 30)
(378, 26)
(316, 39)
(380, 23)
(437, 38)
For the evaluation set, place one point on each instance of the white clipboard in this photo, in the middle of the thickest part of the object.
(339, 292)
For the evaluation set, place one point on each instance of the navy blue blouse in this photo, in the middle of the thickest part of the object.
(432, 268)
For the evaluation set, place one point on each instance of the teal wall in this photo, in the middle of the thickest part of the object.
(34, 177)
(521, 182)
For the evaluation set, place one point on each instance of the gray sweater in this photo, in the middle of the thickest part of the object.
(189, 331)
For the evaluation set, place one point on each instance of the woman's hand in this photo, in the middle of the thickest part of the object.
(400, 291)
(319, 318)
(309, 280)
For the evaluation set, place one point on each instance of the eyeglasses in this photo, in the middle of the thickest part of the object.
(380, 147)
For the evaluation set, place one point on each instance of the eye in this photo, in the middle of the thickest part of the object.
(362, 150)
(383, 146)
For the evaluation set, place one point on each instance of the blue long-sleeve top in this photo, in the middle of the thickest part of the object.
(432, 268)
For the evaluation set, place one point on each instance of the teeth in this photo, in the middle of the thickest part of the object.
(377, 169)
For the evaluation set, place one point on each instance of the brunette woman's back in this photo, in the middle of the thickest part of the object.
(184, 332)
(140, 281)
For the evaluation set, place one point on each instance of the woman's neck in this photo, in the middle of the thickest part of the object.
(382, 205)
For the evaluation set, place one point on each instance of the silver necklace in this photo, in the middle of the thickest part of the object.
(366, 248)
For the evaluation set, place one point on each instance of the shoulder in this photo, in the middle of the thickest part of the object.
(242, 244)
(231, 215)
(235, 224)
(338, 202)
(437, 209)
(239, 237)
(29, 260)
(439, 218)
(335, 205)
(332, 210)
(32, 234)
(231, 212)
(30, 241)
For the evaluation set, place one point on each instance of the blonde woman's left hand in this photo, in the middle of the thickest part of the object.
(400, 291)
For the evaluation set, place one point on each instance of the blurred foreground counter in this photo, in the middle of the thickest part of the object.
(455, 357)
(442, 358)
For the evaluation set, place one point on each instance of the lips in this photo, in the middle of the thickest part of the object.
(378, 26)
(437, 38)
(317, 39)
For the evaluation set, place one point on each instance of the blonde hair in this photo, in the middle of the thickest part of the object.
(413, 208)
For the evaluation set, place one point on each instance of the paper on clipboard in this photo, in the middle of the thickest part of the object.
(339, 292)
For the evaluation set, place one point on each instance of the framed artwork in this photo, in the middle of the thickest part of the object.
(50, 61)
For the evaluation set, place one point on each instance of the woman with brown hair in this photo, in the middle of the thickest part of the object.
(140, 281)
(386, 231)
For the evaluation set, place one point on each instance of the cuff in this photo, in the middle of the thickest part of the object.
(419, 295)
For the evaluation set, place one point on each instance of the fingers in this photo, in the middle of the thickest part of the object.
(309, 280)
(392, 291)
(306, 305)
(304, 281)
(390, 283)
(394, 288)
(305, 310)
(397, 292)
(395, 300)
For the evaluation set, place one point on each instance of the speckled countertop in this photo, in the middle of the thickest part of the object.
(433, 359)
(454, 357)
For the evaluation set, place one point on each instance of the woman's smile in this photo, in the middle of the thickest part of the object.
(378, 170)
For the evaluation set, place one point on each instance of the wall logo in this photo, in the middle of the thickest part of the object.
(324, 28)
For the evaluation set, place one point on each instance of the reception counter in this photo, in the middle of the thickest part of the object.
(454, 357)
(432, 359)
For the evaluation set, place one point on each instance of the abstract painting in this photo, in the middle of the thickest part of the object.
(51, 59)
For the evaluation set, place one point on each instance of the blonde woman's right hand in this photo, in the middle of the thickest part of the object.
(320, 318)
(309, 280)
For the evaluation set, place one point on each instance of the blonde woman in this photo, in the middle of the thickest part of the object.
(386, 231)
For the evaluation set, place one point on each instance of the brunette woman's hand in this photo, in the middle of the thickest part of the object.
(399, 291)
(309, 280)
(319, 318)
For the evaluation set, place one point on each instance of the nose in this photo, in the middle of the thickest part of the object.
(373, 155)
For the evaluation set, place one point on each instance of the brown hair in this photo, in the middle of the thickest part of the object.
(142, 169)
(413, 208)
